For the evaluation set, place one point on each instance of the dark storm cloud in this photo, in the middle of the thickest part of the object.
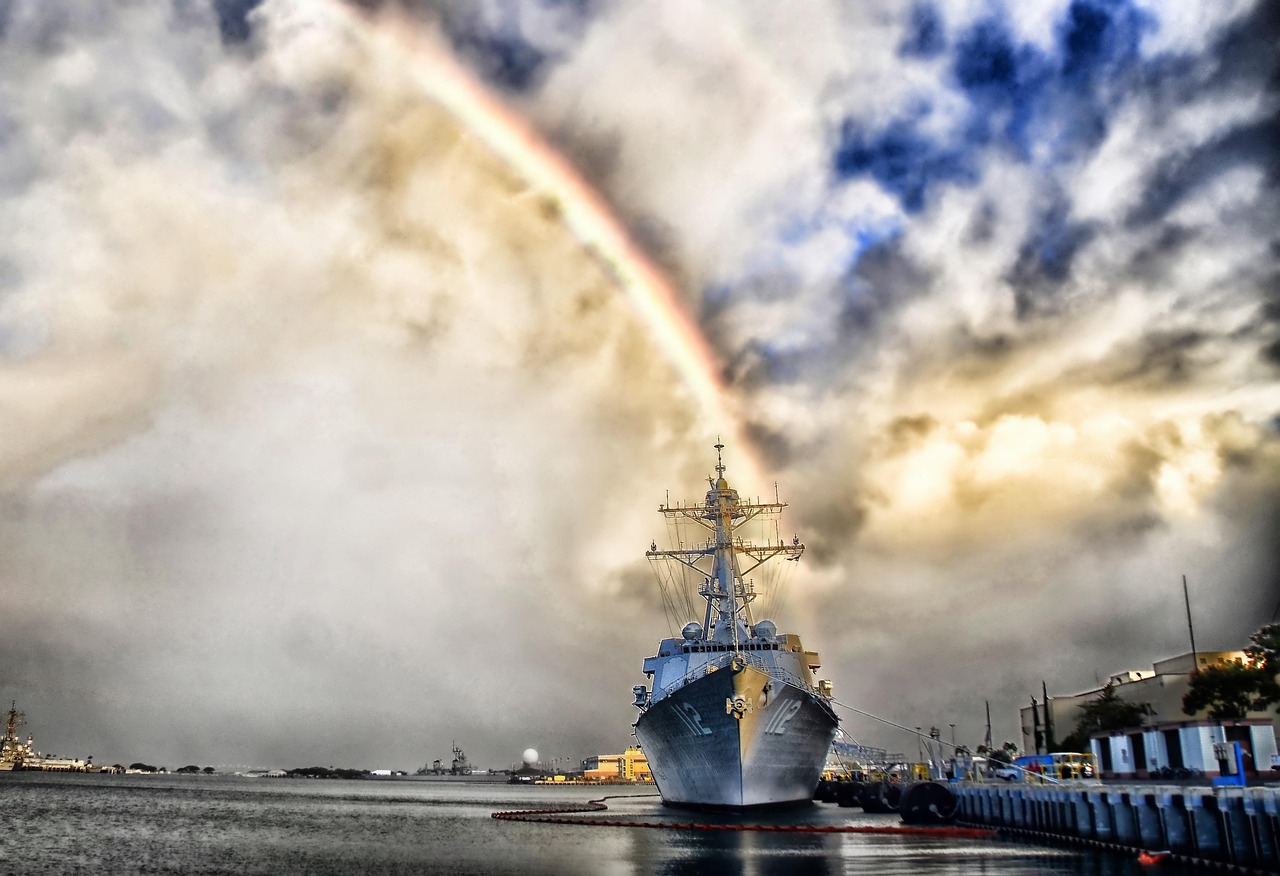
(505, 59)
(1044, 261)
(1180, 176)
(512, 46)
(1157, 359)
(233, 18)
(1247, 62)
(831, 523)
(1271, 352)
(881, 281)
(773, 444)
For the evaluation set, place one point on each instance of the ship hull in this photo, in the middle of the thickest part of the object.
(737, 738)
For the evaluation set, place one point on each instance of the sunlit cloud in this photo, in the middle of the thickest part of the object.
(357, 332)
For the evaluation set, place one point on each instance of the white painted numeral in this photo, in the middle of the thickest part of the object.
(778, 722)
(689, 715)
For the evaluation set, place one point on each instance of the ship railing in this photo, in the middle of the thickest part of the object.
(755, 660)
(778, 672)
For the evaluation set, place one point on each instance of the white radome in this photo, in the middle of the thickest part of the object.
(530, 756)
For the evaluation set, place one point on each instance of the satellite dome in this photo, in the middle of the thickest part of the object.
(692, 631)
(530, 756)
(766, 629)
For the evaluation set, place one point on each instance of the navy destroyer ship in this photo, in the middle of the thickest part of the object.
(733, 716)
(18, 755)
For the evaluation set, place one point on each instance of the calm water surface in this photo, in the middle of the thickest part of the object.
(224, 824)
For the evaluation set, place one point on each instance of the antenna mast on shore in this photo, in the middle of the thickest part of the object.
(1195, 658)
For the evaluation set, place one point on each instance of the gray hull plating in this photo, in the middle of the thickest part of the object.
(769, 751)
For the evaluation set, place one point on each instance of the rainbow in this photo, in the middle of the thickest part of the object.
(583, 211)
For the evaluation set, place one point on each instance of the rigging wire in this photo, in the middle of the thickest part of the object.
(667, 607)
(933, 739)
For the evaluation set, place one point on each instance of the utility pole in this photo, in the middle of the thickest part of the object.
(1049, 742)
(1195, 658)
(1038, 734)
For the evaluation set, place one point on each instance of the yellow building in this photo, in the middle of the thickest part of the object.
(630, 766)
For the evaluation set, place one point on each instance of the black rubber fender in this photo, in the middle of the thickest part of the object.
(927, 803)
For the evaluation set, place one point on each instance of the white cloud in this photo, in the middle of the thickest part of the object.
(283, 338)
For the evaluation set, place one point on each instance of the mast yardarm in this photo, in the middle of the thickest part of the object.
(728, 595)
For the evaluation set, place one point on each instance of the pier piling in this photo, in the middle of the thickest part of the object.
(1237, 828)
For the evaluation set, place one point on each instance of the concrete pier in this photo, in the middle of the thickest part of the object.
(1239, 827)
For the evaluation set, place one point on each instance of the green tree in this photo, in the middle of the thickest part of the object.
(1229, 691)
(1108, 712)
(1004, 754)
(1264, 654)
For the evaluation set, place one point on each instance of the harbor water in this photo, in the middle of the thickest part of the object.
(103, 824)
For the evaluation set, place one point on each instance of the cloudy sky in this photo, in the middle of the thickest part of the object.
(330, 431)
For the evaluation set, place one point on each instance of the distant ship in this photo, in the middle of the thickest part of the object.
(459, 766)
(734, 717)
(18, 755)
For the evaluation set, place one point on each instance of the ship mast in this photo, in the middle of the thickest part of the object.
(728, 618)
(13, 721)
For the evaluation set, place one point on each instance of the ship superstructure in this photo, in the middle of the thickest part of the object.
(460, 766)
(14, 753)
(18, 755)
(734, 715)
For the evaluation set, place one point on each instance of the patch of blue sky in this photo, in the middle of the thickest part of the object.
(904, 161)
(841, 239)
(926, 35)
(1040, 105)
(1100, 38)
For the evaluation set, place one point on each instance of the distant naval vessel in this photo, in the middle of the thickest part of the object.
(18, 755)
(734, 716)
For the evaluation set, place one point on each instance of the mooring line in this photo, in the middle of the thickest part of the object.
(560, 815)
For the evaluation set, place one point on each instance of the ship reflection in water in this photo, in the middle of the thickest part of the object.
(100, 824)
